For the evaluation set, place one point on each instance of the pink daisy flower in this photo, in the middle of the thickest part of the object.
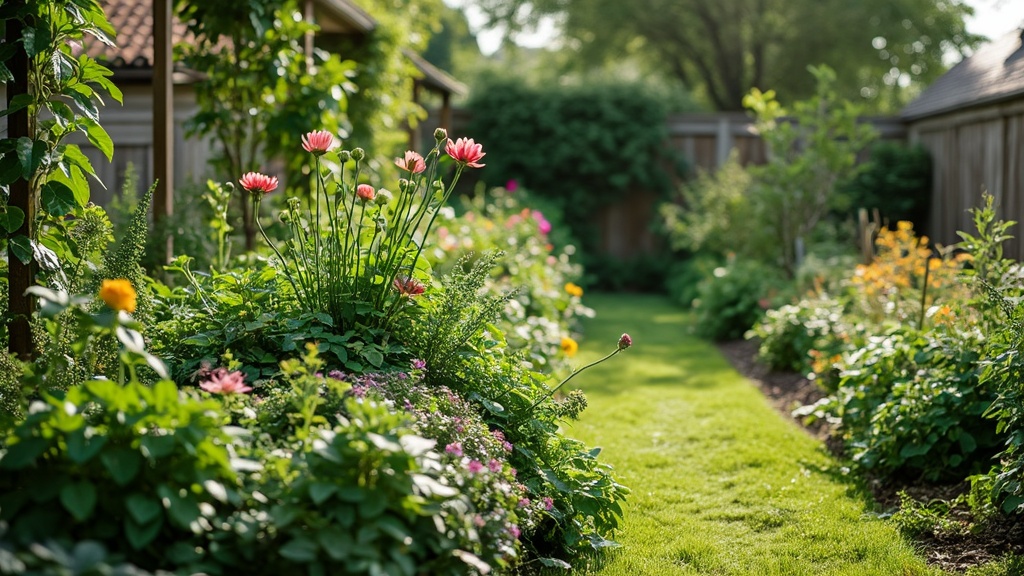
(318, 142)
(466, 151)
(412, 162)
(256, 183)
(223, 382)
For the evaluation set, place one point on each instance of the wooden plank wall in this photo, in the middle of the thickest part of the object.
(972, 152)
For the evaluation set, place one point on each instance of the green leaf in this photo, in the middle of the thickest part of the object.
(23, 453)
(79, 498)
(30, 154)
(63, 67)
(11, 218)
(319, 492)
(58, 199)
(17, 103)
(142, 508)
(374, 357)
(36, 40)
(300, 549)
(82, 97)
(139, 535)
(156, 447)
(98, 137)
(21, 247)
(82, 448)
(122, 463)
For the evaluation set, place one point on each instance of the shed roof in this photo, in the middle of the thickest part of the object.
(992, 74)
(133, 57)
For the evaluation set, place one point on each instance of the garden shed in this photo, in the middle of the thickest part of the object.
(972, 121)
(130, 125)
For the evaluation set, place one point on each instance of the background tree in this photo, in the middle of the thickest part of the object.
(882, 50)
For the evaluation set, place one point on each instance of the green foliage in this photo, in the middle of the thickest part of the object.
(583, 148)
(911, 402)
(69, 88)
(896, 181)
(547, 302)
(259, 95)
(787, 334)
(166, 454)
(734, 297)
(366, 499)
(713, 214)
(248, 312)
(809, 155)
(878, 47)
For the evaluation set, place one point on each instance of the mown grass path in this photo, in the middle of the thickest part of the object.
(722, 484)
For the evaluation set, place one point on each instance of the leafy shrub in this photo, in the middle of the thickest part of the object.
(896, 180)
(713, 214)
(546, 301)
(911, 402)
(167, 455)
(734, 297)
(787, 334)
(583, 147)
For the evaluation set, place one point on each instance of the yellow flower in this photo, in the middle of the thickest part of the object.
(569, 346)
(573, 290)
(118, 294)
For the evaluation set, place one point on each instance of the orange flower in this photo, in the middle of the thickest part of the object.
(569, 346)
(573, 290)
(118, 294)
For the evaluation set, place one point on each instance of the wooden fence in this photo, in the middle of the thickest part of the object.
(975, 151)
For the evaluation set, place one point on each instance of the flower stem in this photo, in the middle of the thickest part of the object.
(571, 376)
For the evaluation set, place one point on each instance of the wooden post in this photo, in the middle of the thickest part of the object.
(446, 111)
(163, 117)
(20, 306)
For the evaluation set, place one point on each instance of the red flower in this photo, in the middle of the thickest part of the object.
(465, 151)
(408, 286)
(625, 341)
(365, 192)
(412, 162)
(256, 183)
(318, 142)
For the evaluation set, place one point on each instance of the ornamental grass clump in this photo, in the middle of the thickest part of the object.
(354, 252)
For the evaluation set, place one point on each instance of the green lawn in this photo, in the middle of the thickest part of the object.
(722, 484)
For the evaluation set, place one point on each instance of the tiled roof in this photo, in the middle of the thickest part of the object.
(992, 74)
(133, 21)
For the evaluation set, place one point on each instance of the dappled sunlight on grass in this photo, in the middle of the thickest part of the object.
(721, 483)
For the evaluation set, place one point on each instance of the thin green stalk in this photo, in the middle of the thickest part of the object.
(284, 263)
(573, 375)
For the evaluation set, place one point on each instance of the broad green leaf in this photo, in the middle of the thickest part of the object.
(11, 218)
(141, 535)
(82, 448)
(30, 154)
(36, 40)
(63, 67)
(300, 549)
(98, 137)
(319, 492)
(23, 453)
(58, 199)
(143, 509)
(122, 464)
(17, 103)
(81, 95)
(79, 498)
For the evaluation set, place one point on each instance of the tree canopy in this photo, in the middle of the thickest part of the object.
(882, 50)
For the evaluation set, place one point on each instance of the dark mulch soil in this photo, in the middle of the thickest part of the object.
(965, 541)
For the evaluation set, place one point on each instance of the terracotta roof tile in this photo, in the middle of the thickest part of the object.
(133, 21)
